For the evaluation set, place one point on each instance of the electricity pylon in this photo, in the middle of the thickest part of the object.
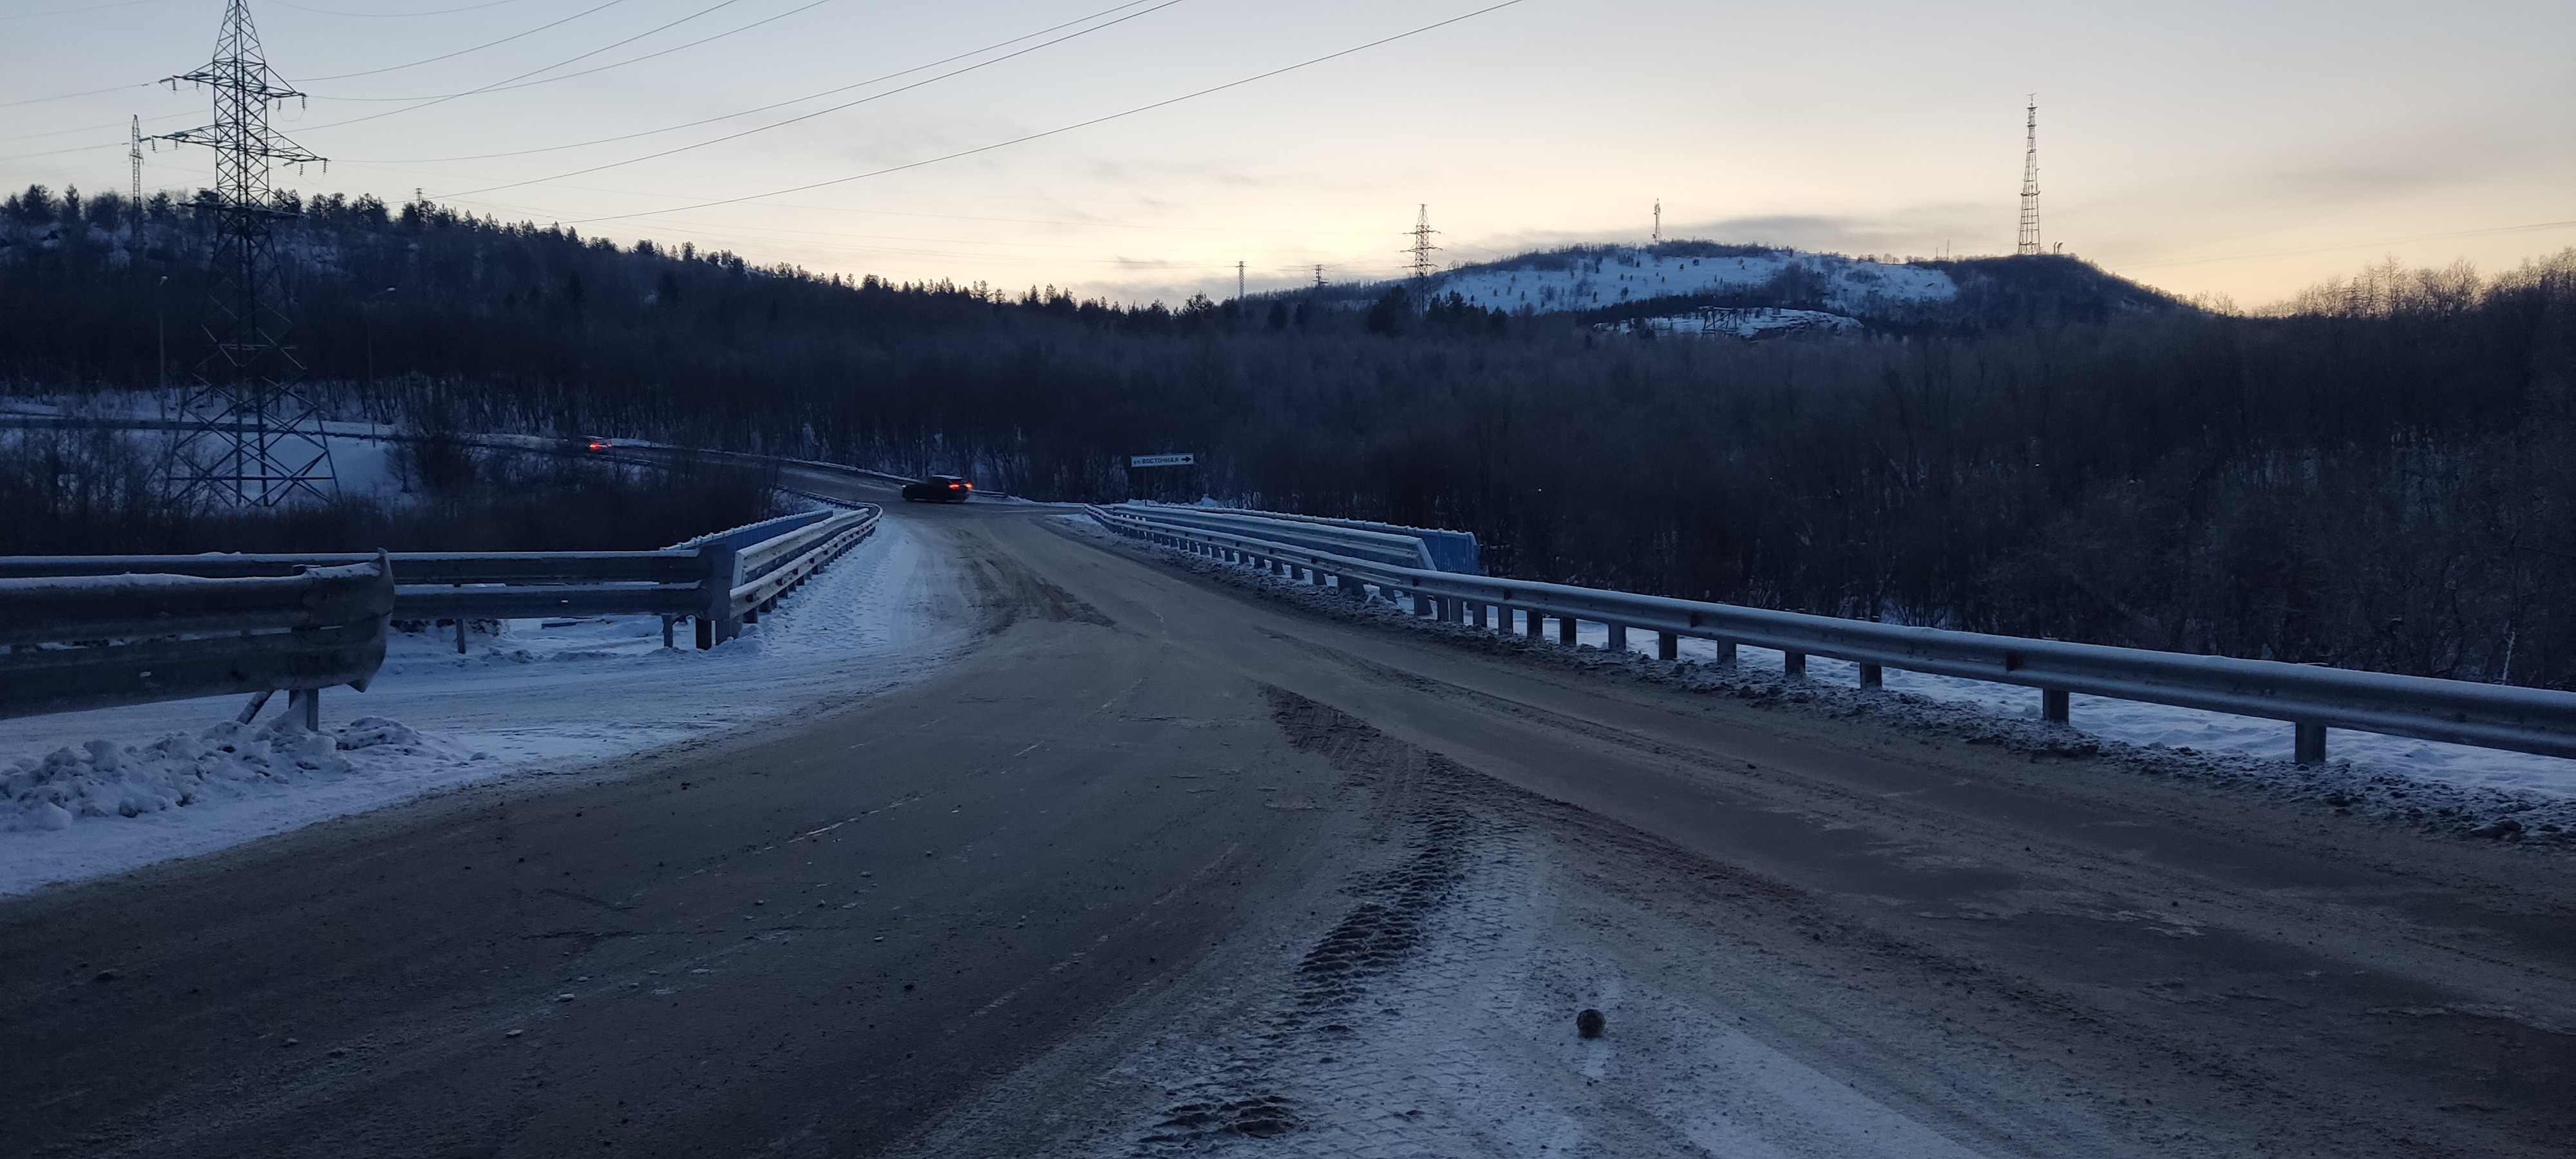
(249, 440)
(1422, 247)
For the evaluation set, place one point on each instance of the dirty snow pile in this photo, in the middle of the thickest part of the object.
(228, 762)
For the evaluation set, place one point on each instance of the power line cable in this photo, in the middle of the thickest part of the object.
(602, 68)
(1021, 140)
(68, 96)
(823, 111)
(532, 72)
(464, 51)
(96, 128)
(80, 8)
(1224, 229)
(394, 15)
(761, 109)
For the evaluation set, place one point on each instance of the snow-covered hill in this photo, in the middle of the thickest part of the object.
(1601, 277)
(1701, 287)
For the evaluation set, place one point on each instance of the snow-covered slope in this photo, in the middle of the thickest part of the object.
(1599, 277)
(1747, 322)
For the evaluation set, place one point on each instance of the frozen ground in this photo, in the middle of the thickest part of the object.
(2195, 729)
(93, 793)
(361, 454)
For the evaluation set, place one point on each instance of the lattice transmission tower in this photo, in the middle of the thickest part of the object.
(1422, 247)
(134, 157)
(2029, 243)
(249, 439)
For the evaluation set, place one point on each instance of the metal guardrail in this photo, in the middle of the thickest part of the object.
(1357, 543)
(2311, 698)
(77, 642)
(97, 631)
(1447, 550)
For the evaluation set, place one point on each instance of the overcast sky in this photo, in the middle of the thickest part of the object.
(2240, 148)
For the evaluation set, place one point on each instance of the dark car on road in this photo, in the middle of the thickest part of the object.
(939, 489)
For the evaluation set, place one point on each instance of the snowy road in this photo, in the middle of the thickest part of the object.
(545, 697)
(1156, 866)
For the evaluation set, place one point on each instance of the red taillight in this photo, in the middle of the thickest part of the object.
(597, 445)
(968, 486)
(954, 486)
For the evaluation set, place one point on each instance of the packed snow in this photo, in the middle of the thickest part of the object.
(1591, 280)
(93, 793)
(2189, 729)
(362, 458)
(1726, 322)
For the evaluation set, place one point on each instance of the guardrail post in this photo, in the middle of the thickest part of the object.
(1871, 676)
(1726, 656)
(1476, 613)
(1792, 664)
(1537, 625)
(1565, 630)
(2053, 705)
(1668, 646)
(666, 630)
(2309, 744)
(1618, 637)
(722, 569)
(460, 634)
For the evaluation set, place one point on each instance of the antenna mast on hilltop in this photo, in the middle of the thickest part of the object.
(1659, 220)
(134, 155)
(2029, 243)
(251, 441)
(1422, 247)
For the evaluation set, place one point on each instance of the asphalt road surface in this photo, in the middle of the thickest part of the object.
(1164, 864)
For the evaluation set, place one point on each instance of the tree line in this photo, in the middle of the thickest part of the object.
(2381, 475)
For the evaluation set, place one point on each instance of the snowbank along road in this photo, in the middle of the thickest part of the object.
(1163, 865)
(149, 782)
